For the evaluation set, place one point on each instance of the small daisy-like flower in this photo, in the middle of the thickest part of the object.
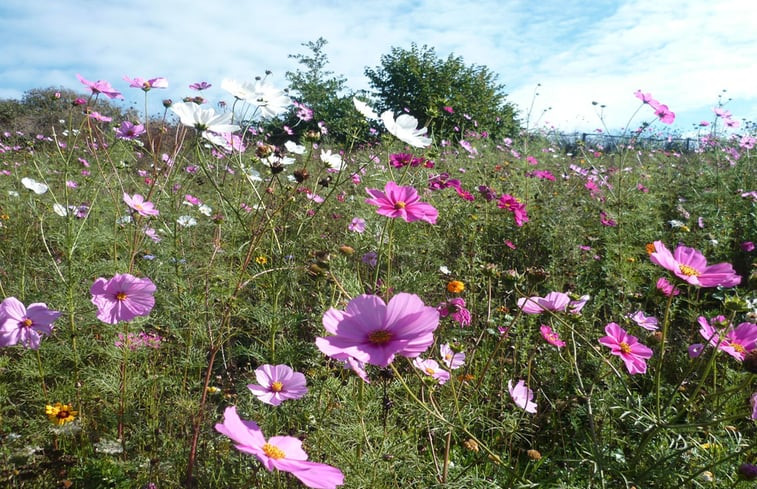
(261, 260)
(60, 414)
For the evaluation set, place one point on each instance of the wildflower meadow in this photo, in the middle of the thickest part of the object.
(198, 295)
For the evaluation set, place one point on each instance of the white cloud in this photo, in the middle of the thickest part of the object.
(579, 51)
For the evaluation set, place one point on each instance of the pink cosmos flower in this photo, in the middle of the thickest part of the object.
(455, 308)
(357, 225)
(100, 86)
(278, 383)
(396, 201)
(550, 336)
(122, 298)
(647, 322)
(200, 86)
(665, 115)
(451, 358)
(146, 85)
(666, 287)
(737, 342)
(522, 396)
(753, 402)
(747, 246)
(554, 301)
(646, 98)
(98, 116)
(373, 332)
(431, 368)
(129, 131)
(139, 204)
(282, 453)
(690, 266)
(25, 325)
(510, 203)
(627, 347)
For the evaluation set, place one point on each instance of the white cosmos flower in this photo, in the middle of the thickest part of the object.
(274, 160)
(405, 128)
(203, 120)
(365, 109)
(60, 210)
(333, 160)
(38, 188)
(205, 210)
(295, 148)
(186, 221)
(218, 139)
(12, 193)
(270, 100)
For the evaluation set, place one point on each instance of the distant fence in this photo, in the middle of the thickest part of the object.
(610, 143)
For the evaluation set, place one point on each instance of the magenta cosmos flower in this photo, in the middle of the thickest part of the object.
(278, 383)
(455, 309)
(25, 325)
(396, 201)
(122, 298)
(129, 131)
(282, 453)
(737, 341)
(627, 347)
(510, 203)
(100, 86)
(146, 85)
(522, 396)
(690, 266)
(143, 207)
(550, 336)
(373, 332)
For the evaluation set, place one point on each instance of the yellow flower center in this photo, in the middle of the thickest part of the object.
(380, 337)
(738, 348)
(273, 451)
(277, 386)
(399, 205)
(688, 271)
(26, 322)
(624, 347)
(121, 296)
(429, 370)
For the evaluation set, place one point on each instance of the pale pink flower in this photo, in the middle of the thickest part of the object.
(451, 358)
(143, 207)
(522, 396)
(647, 322)
(432, 369)
(100, 86)
(278, 383)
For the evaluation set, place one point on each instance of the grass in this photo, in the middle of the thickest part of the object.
(249, 284)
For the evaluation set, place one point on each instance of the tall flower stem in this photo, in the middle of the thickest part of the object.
(661, 357)
(41, 374)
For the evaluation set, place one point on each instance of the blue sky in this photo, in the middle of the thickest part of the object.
(684, 52)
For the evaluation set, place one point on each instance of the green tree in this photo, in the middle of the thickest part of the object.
(325, 93)
(417, 79)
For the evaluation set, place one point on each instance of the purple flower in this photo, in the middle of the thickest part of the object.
(282, 453)
(370, 258)
(100, 86)
(129, 131)
(357, 225)
(691, 266)
(695, 350)
(747, 246)
(452, 359)
(139, 204)
(647, 322)
(373, 332)
(396, 201)
(19, 324)
(200, 86)
(627, 347)
(278, 383)
(522, 396)
(455, 308)
(432, 369)
(550, 336)
(122, 298)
